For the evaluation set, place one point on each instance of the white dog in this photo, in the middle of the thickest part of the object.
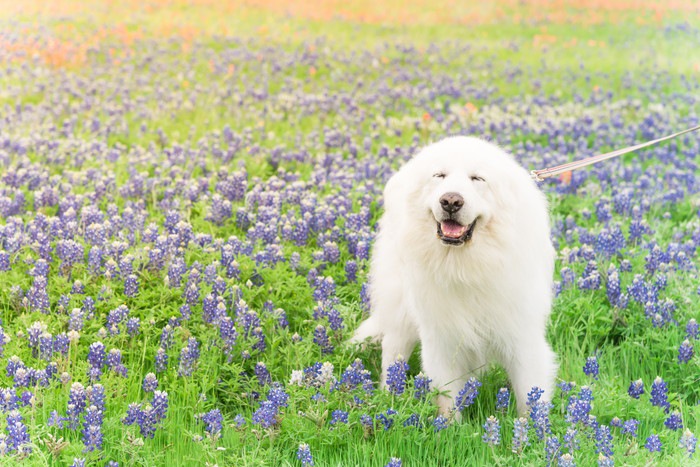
(463, 262)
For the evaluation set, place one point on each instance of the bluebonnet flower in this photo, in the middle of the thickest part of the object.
(278, 396)
(396, 376)
(304, 454)
(659, 394)
(78, 462)
(322, 340)
(579, 407)
(421, 385)
(629, 427)
(520, 439)
(492, 431)
(439, 423)
(166, 337)
(239, 420)
(605, 461)
(688, 442)
(351, 271)
(566, 460)
(188, 357)
(653, 443)
(674, 421)
(603, 440)
(17, 434)
(502, 399)
(150, 382)
(339, 416)
(131, 285)
(263, 374)
(571, 439)
(114, 362)
(77, 400)
(386, 419)
(467, 395)
(92, 429)
(266, 414)
(636, 389)
(96, 359)
(394, 462)
(161, 360)
(685, 352)
(414, 421)
(539, 412)
(691, 329)
(551, 449)
(213, 422)
(591, 367)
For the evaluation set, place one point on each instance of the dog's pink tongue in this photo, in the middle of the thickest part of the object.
(452, 229)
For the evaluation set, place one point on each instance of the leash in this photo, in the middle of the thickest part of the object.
(540, 175)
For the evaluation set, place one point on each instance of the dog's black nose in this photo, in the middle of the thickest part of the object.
(451, 202)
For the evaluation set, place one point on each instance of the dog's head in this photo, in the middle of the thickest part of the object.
(456, 188)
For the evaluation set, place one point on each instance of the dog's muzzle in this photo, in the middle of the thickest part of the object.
(451, 232)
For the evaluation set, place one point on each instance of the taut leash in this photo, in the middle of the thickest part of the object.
(540, 175)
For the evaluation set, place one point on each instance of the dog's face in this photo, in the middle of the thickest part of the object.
(458, 197)
(453, 190)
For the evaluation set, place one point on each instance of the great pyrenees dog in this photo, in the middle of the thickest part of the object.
(463, 263)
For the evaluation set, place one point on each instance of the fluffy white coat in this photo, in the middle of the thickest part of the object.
(472, 303)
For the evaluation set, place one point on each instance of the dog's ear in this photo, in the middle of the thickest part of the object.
(395, 188)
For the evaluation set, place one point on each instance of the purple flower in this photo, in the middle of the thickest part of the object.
(213, 422)
(161, 360)
(92, 429)
(394, 462)
(653, 443)
(520, 440)
(421, 384)
(150, 382)
(603, 440)
(636, 389)
(674, 421)
(691, 329)
(629, 427)
(96, 359)
(539, 412)
(263, 374)
(188, 357)
(492, 431)
(304, 454)
(566, 460)
(322, 340)
(266, 414)
(467, 395)
(591, 367)
(502, 399)
(685, 352)
(131, 285)
(339, 416)
(396, 376)
(77, 400)
(114, 362)
(688, 442)
(17, 434)
(659, 394)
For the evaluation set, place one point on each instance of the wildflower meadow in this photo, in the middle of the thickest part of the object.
(189, 192)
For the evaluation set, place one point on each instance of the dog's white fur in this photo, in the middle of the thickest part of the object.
(484, 301)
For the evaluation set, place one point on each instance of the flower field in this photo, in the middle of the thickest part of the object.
(189, 192)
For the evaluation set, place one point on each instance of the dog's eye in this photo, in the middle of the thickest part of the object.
(476, 178)
(439, 175)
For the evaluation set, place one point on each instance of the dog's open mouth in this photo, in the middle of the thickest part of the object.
(453, 233)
